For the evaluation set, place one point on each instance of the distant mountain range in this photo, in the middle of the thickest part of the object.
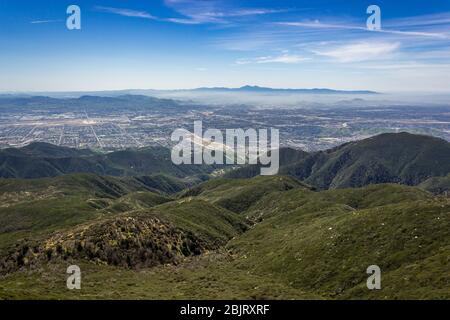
(154, 92)
(27, 103)
(257, 89)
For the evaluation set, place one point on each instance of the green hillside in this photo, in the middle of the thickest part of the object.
(45, 150)
(400, 158)
(387, 158)
(39, 160)
(266, 237)
(140, 238)
(323, 242)
(39, 206)
(240, 194)
(302, 243)
(437, 185)
(136, 200)
(287, 156)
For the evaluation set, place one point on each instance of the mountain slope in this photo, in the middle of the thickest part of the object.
(143, 238)
(238, 195)
(387, 158)
(136, 200)
(437, 185)
(323, 242)
(287, 156)
(39, 160)
(104, 103)
(400, 158)
(45, 150)
(304, 244)
(36, 207)
(263, 237)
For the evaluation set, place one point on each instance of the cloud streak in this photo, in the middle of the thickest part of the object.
(437, 19)
(193, 12)
(44, 21)
(126, 12)
(284, 58)
(212, 11)
(362, 51)
(319, 25)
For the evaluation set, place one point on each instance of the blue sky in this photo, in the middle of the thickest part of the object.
(168, 44)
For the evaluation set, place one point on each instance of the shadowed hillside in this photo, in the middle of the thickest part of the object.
(437, 185)
(387, 158)
(39, 160)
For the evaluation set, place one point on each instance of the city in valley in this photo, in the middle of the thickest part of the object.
(134, 121)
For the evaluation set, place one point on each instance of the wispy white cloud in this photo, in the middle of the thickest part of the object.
(248, 12)
(436, 19)
(44, 21)
(211, 11)
(361, 51)
(184, 20)
(320, 25)
(192, 12)
(284, 58)
(127, 12)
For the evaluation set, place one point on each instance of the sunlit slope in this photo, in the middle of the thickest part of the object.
(240, 194)
(136, 200)
(39, 206)
(140, 238)
(323, 242)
